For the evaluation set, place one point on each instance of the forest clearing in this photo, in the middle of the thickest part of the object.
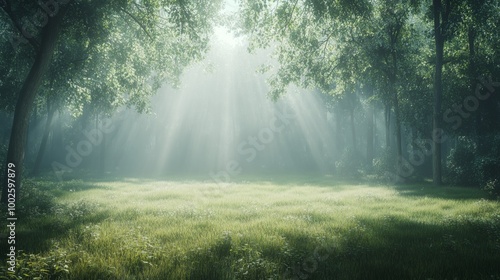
(288, 227)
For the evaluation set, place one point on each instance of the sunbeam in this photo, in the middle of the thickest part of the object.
(250, 139)
(222, 117)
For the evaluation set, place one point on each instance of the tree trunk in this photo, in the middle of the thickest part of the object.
(100, 157)
(26, 98)
(353, 131)
(387, 125)
(399, 149)
(369, 137)
(338, 129)
(103, 154)
(395, 103)
(438, 92)
(479, 125)
(43, 145)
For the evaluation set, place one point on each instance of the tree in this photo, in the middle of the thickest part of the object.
(441, 15)
(338, 48)
(158, 32)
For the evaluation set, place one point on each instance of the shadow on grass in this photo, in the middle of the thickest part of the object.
(60, 188)
(388, 248)
(40, 220)
(402, 249)
(442, 192)
(35, 235)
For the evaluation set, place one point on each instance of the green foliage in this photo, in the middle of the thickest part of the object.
(461, 163)
(223, 246)
(492, 187)
(488, 167)
(251, 265)
(310, 34)
(467, 167)
(349, 164)
(345, 48)
(54, 265)
(35, 202)
(384, 163)
(110, 53)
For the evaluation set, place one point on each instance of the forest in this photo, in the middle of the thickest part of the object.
(250, 139)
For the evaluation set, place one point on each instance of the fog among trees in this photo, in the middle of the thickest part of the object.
(323, 102)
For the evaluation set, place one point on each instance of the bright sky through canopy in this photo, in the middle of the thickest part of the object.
(225, 39)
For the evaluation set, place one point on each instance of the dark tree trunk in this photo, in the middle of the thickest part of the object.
(43, 145)
(369, 137)
(395, 103)
(387, 114)
(399, 149)
(394, 36)
(26, 98)
(56, 147)
(479, 125)
(440, 20)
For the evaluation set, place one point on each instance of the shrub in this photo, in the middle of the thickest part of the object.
(492, 187)
(460, 163)
(467, 167)
(250, 263)
(53, 265)
(33, 201)
(385, 163)
(349, 164)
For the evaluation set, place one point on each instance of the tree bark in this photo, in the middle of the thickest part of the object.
(387, 114)
(399, 149)
(395, 101)
(43, 145)
(26, 98)
(479, 125)
(438, 91)
(369, 137)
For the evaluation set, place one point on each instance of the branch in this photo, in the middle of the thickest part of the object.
(63, 66)
(289, 17)
(138, 22)
(6, 7)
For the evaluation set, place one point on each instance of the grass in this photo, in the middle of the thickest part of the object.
(279, 228)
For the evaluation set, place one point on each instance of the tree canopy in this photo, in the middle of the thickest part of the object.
(384, 51)
(104, 53)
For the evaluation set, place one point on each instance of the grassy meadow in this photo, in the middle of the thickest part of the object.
(297, 227)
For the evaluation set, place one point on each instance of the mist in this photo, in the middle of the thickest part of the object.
(222, 122)
(250, 140)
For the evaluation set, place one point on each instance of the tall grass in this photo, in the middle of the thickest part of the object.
(281, 228)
